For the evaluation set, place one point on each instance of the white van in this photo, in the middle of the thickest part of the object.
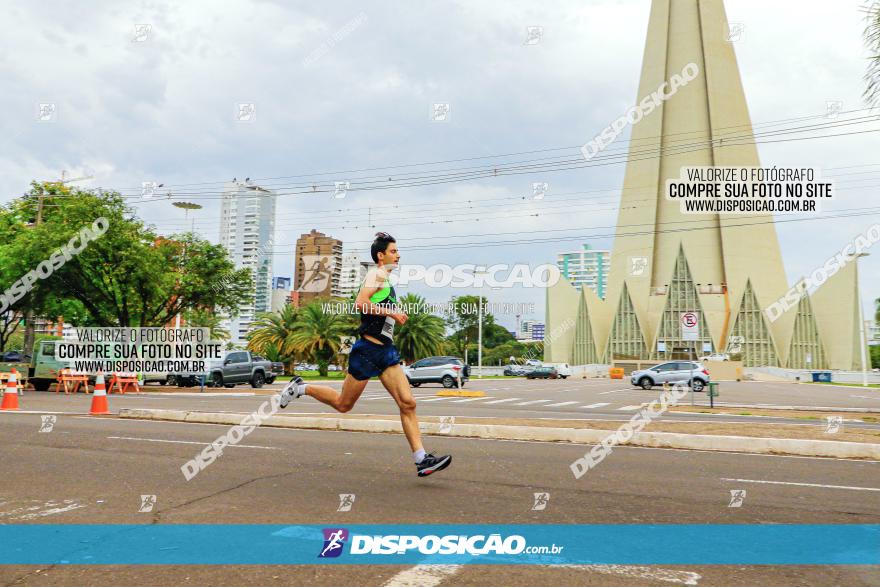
(563, 369)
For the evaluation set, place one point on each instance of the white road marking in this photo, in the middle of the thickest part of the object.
(534, 401)
(501, 401)
(423, 576)
(802, 484)
(593, 406)
(49, 508)
(630, 389)
(630, 408)
(188, 442)
(560, 404)
(471, 399)
(438, 399)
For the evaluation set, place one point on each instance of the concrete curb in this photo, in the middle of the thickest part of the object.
(781, 446)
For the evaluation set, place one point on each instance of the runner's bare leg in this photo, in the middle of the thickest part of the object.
(395, 381)
(341, 402)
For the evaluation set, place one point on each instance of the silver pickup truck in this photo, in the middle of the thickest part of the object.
(243, 367)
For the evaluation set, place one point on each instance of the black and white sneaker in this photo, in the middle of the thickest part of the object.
(431, 464)
(290, 392)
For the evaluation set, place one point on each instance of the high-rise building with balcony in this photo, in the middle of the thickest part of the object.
(247, 229)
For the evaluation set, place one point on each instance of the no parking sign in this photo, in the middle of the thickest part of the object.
(690, 326)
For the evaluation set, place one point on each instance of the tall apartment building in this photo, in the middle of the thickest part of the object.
(587, 267)
(247, 231)
(318, 267)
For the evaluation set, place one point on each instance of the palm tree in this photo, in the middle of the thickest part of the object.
(872, 39)
(423, 333)
(273, 332)
(318, 334)
(204, 318)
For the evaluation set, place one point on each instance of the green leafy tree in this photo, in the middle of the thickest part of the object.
(275, 330)
(129, 276)
(204, 318)
(463, 319)
(318, 334)
(422, 334)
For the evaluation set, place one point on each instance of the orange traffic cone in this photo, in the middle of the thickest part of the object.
(99, 397)
(10, 395)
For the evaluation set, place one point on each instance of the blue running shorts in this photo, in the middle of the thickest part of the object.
(368, 359)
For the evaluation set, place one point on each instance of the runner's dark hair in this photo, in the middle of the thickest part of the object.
(380, 245)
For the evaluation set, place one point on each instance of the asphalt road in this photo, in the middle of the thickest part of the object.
(514, 398)
(94, 470)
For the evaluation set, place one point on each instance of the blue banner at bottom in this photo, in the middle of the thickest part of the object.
(528, 544)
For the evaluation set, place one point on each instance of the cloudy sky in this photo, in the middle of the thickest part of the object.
(346, 86)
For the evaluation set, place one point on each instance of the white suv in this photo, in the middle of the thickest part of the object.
(672, 372)
(444, 370)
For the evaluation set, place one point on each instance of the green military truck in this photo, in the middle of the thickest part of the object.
(42, 371)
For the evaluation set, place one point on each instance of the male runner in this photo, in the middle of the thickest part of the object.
(374, 354)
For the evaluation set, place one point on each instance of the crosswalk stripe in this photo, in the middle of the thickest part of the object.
(591, 406)
(560, 404)
(501, 401)
(471, 399)
(437, 399)
(630, 408)
(535, 401)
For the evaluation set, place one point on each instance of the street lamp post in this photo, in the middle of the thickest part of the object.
(186, 206)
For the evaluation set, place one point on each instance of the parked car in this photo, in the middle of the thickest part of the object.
(716, 357)
(14, 357)
(672, 372)
(444, 370)
(563, 369)
(534, 363)
(242, 367)
(515, 370)
(543, 373)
